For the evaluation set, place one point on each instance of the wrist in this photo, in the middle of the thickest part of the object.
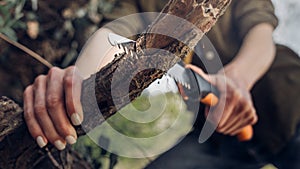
(239, 77)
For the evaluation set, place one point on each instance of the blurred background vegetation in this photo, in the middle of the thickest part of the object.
(57, 31)
(54, 30)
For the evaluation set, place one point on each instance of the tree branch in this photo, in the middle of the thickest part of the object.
(19, 150)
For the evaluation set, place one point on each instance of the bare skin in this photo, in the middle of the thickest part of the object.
(49, 103)
(251, 63)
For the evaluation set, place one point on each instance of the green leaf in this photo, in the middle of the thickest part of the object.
(1, 22)
(6, 13)
(9, 6)
(19, 25)
(10, 23)
(9, 32)
(19, 7)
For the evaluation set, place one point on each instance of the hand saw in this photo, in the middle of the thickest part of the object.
(194, 86)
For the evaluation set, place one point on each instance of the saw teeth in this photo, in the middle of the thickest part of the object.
(185, 85)
(121, 47)
(131, 54)
(126, 50)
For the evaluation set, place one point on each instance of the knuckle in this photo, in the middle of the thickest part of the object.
(71, 68)
(68, 81)
(247, 109)
(252, 111)
(27, 91)
(53, 72)
(73, 73)
(237, 95)
(39, 109)
(251, 119)
(53, 100)
(232, 97)
(255, 119)
(39, 79)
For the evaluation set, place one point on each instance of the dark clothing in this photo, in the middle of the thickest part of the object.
(276, 99)
(228, 154)
(228, 33)
(242, 15)
(275, 96)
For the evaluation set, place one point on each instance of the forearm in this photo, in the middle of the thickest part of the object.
(254, 58)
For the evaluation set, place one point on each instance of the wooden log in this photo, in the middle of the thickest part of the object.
(19, 150)
(103, 85)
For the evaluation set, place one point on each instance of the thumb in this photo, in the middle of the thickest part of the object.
(198, 70)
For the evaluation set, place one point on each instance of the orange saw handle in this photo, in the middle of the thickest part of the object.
(210, 96)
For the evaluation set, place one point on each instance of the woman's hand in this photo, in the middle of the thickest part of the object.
(235, 109)
(51, 103)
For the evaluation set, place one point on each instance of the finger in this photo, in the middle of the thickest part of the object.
(56, 105)
(32, 124)
(246, 116)
(233, 119)
(201, 73)
(72, 86)
(42, 115)
(233, 123)
(245, 120)
(223, 107)
(238, 130)
(226, 109)
(233, 99)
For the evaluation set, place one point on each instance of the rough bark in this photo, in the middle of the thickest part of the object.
(110, 93)
(18, 149)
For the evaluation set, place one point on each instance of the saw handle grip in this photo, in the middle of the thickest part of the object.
(210, 96)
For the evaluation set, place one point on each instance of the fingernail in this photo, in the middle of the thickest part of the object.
(59, 145)
(75, 118)
(70, 140)
(40, 141)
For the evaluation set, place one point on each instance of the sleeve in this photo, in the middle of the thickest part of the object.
(120, 19)
(124, 23)
(248, 13)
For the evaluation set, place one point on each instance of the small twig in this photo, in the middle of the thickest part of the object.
(27, 50)
(52, 159)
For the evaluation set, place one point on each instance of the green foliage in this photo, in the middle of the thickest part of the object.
(160, 113)
(10, 17)
(98, 157)
(106, 6)
(90, 151)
